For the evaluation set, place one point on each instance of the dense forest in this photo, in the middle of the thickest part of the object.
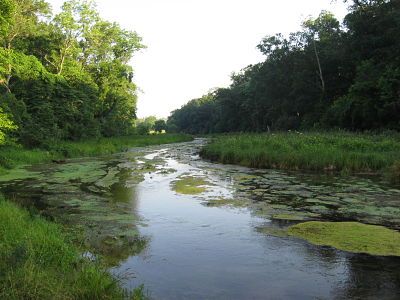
(328, 75)
(64, 76)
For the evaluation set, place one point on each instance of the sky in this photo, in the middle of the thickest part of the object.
(194, 46)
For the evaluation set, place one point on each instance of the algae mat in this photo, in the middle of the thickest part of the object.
(350, 236)
(94, 196)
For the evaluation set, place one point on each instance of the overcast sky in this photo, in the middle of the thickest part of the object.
(194, 45)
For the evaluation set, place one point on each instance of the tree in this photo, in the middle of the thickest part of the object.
(160, 125)
(6, 125)
(21, 19)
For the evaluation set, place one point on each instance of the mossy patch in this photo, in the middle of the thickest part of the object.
(350, 236)
(190, 185)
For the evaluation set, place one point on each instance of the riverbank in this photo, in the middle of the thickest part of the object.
(41, 259)
(329, 152)
(38, 261)
(14, 155)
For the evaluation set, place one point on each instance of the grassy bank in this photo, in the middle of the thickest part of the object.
(37, 261)
(337, 151)
(12, 156)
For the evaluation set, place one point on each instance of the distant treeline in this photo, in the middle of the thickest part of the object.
(64, 76)
(328, 75)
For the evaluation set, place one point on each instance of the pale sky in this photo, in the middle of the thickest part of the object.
(194, 45)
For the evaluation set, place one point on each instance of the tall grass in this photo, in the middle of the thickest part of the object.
(14, 155)
(337, 151)
(37, 261)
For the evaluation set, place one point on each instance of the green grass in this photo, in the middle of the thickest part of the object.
(336, 151)
(350, 236)
(37, 261)
(12, 156)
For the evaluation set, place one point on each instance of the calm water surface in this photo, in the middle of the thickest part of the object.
(195, 251)
(200, 252)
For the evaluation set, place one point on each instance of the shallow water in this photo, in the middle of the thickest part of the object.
(195, 250)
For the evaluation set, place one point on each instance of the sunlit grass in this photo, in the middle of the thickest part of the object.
(338, 151)
(37, 261)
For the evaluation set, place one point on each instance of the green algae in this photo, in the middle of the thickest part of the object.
(221, 202)
(273, 231)
(295, 216)
(350, 236)
(190, 185)
(19, 173)
(85, 172)
(108, 180)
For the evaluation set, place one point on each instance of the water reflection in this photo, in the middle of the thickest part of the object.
(198, 252)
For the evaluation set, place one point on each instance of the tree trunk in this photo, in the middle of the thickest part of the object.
(321, 77)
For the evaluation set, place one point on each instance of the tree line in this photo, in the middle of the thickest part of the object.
(64, 76)
(330, 74)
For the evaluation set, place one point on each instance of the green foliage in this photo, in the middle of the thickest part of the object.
(144, 126)
(37, 261)
(310, 151)
(328, 75)
(67, 78)
(160, 125)
(5, 125)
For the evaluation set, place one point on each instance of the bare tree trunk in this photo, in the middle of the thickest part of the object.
(321, 77)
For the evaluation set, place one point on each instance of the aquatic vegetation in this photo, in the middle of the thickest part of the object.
(38, 260)
(350, 236)
(220, 202)
(190, 185)
(303, 197)
(19, 173)
(80, 171)
(394, 172)
(273, 231)
(310, 151)
(295, 216)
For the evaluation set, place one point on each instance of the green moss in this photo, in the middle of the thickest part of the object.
(350, 236)
(190, 185)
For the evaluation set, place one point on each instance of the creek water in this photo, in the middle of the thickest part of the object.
(197, 249)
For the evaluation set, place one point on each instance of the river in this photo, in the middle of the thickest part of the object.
(209, 231)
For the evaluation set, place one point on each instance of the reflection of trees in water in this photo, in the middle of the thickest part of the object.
(361, 276)
(371, 277)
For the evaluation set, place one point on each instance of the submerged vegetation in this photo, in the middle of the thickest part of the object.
(350, 236)
(190, 185)
(331, 151)
(38, 261)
